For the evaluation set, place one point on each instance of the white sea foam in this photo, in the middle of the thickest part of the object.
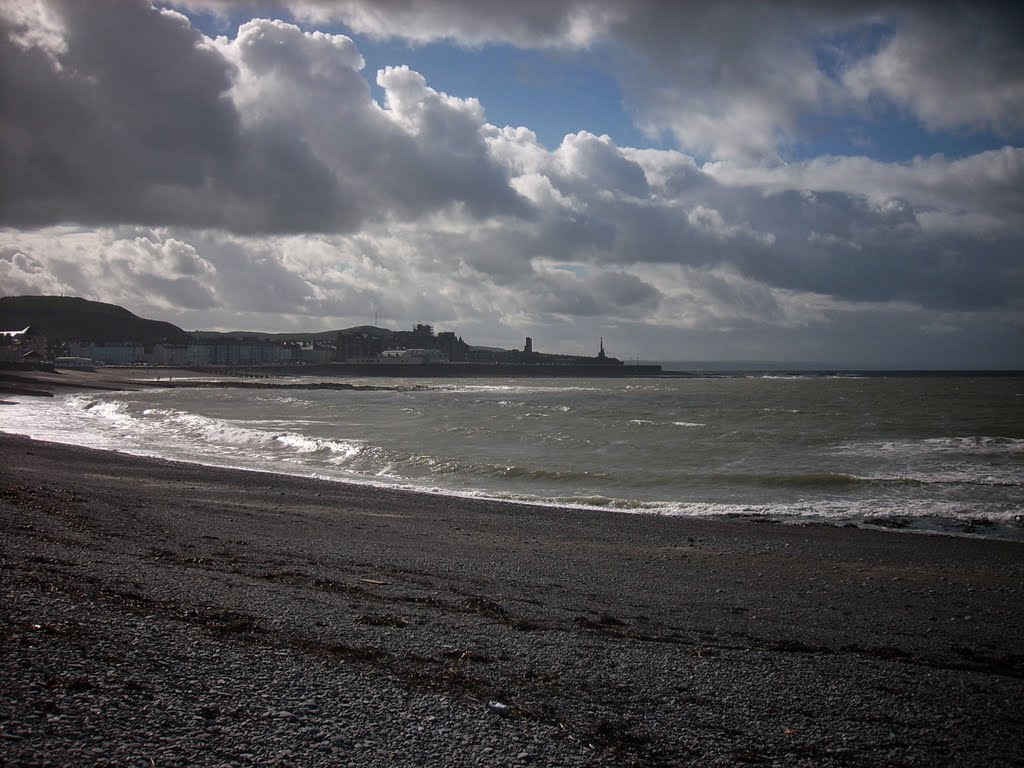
(90, 421)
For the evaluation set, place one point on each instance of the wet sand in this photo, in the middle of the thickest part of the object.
(192, 615)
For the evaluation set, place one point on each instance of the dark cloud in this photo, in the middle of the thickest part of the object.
(954, 65)
(131, 108)
(137, 118)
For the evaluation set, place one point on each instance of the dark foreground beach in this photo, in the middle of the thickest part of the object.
(159, 614)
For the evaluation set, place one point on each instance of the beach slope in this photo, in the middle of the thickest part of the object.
(158, 613)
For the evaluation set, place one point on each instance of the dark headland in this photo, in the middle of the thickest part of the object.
(157, 613)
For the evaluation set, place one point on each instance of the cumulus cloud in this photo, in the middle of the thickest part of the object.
(739, 79)
(130, 265)
(272, 131)
(26, 273)
(221, 181)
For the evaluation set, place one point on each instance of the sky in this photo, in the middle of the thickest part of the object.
(805, 182)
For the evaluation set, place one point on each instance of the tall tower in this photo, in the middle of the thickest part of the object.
(528, 349)
(601, 355)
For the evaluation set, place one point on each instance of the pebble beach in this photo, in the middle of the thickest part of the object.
(161, 613)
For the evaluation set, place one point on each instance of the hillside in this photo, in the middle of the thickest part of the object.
(307, 336)
(68, 318)
(311, 336)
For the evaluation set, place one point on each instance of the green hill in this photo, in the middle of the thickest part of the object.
(68, 318)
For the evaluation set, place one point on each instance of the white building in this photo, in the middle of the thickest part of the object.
(187, 355)
(111, 353)
(198, 354)
(170, 354)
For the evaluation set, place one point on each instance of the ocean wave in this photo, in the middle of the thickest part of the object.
(982, 476)
(809, 480)
(205, 433)
(653, 423)
(914, 516)
(970, 444)
(524, 389)
(825, 509)
(976, 444)
(539, 473)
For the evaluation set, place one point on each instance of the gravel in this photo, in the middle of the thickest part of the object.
(159, 614)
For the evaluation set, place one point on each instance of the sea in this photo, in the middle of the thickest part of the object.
(927, 454)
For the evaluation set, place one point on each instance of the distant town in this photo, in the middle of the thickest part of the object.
(420, 346)
(132, 341)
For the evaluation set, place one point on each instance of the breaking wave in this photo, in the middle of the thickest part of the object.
(977, 444)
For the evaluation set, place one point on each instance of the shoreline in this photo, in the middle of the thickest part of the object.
(607, 639)
(968, 530)
(978, 527)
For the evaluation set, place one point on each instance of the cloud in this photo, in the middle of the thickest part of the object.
(26, 273)
(738, 79)
(988, 186)
(750, 80)
(255, 181)
(604, 294)
(954, 67)
(525, 23)
(96, 126)
(135, 117)
(34, 25)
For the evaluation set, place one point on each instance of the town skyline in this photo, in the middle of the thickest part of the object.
(52, 327)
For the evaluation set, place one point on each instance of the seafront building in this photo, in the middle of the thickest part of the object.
(358, 347)
(109, 352)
